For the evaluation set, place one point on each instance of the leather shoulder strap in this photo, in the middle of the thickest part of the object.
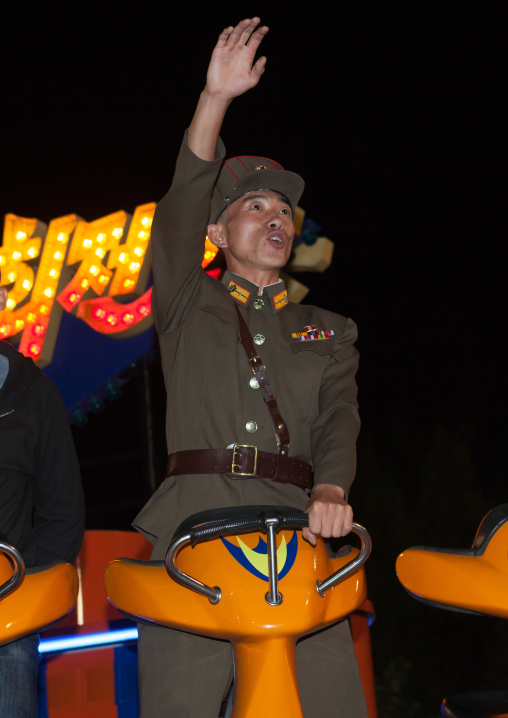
(259, 371)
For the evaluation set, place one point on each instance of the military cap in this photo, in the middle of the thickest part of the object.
(241, 175)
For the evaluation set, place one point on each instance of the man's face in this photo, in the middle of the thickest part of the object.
(257, 232)
(3, 298)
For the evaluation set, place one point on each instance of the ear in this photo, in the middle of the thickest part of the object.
(3, 298)
(216, 236)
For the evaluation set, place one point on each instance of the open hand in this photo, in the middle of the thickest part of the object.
(232, 70)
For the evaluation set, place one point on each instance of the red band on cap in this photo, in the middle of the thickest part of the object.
(229, 168)
(242, 163)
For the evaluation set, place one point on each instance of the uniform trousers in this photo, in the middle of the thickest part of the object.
(184, 675)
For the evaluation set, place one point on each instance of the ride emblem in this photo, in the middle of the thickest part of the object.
(255, 560)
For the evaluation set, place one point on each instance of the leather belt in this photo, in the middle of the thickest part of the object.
(243, 461)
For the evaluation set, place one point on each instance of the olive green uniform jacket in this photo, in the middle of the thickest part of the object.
(211, 402)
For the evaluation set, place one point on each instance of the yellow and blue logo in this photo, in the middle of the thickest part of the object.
(255, 560)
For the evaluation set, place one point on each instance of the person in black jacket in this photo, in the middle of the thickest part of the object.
(41, 500)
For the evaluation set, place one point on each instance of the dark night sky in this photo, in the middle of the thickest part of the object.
(396, 117)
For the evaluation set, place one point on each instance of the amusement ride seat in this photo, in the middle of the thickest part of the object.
(471, 580)
(307, 591)
(35, 598)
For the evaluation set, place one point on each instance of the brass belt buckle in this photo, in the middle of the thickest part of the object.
(256, 368)
(235, 462)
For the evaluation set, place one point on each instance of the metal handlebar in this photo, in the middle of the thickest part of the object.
(214, 594)
(19, 569)
(352, 566)
(269, 520)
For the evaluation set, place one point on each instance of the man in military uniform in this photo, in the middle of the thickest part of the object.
(216, 405)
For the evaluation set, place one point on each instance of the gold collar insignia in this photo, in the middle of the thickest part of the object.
(241, 294)
(280, 300)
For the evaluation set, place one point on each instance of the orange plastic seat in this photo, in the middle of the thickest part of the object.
(474, 580)
(237, 596)
(34, 599)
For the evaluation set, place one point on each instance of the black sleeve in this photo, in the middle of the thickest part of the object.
(59, 508)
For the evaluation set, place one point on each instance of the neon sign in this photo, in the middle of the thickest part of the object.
(96, 270)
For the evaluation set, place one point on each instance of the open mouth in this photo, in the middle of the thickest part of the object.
(279, 240)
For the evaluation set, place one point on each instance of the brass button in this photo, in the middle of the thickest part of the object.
(254, 383)
(259, 339)
(259, 303)
(251, 427)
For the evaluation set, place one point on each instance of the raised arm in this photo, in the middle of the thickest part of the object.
(231, 72)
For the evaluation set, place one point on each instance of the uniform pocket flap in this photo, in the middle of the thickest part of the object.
(225, 314)
(318, 346)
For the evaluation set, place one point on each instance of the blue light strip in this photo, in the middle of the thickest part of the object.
(69, 643)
